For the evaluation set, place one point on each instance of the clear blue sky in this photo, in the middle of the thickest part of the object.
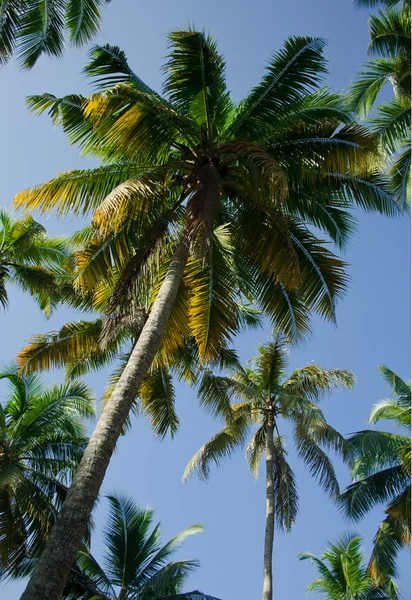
(373, 321)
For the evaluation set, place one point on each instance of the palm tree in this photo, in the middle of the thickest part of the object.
(135, 565)
(382, 475)
(266, 398)
(36, 27)
(30, 259)
(191, 183)
(42, 438)
(344, 576)
(390, 34)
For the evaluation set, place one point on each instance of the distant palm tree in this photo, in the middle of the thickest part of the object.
(343, 574)
(135, 565)
(36, 27)
(30, 259)
(382, 475)
(267, 398)
(390, 34)
(42, 438)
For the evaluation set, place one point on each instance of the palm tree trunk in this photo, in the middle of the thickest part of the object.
(49, 576)
(270, 514)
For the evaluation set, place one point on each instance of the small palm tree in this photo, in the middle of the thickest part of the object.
(268, 397)
(30, 259)
(36, 27)
(382, 475)
(135, 564)
(390, 34)
(343, 574)
(42, 438)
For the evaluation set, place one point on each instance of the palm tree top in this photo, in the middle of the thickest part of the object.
(42, 439)
(31, 260)
(343, 573)
(135, 564)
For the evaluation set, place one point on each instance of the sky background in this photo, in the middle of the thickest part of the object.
(373, 320)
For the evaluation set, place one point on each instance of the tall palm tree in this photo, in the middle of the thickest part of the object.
(190, 183)
(382, 475)
(30, 259)
(42, 438)
(35, 27)
(390, 34)
(135, 565)
(343, 574)
(267, 398)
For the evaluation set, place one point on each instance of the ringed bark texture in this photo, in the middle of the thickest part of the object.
(50, 575)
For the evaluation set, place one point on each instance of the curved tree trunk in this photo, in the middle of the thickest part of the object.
(49, 576)
(270, 515)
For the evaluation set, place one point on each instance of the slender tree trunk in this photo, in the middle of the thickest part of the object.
(49, 576)
(270, 515)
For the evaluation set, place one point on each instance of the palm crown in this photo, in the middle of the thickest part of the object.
(242, 181)
(382, 475)
(343, 574)
(267, 397)
(30, 259)
(136, 566)
(42, 438)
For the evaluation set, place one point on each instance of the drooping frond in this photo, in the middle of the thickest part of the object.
(286, 494)
(375, 489)
(218, 447)
(157, 396)
(108, 67)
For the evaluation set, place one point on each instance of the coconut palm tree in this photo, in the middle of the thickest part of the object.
(390, 34)
(382, 475)
(30, 259)
(135, 564)
(42, 438)
(343, 574)
(190, 183)
(266, 398)
(34, 27)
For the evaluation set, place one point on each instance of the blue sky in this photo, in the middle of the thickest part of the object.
(373, 320)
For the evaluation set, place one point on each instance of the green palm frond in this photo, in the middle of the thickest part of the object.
(218, 447)
(388, 541)
(372, 490)
(318, 463)
(286, 494)
(401, 176)
(36, 27)
(368, 83)
(76, 347)
(108, 66)
(83, 20)
(157, 395)
(390, 32)
(293, 71)
(195, 80)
